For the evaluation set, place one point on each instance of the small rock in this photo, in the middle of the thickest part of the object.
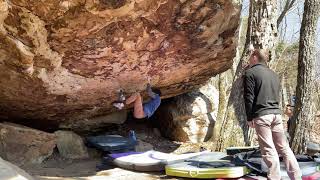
(71, 145)
(24, 145)
(156, 131)
(94, 153)
(142, 136)
(313, 148)
(9, 171)
(143, 146)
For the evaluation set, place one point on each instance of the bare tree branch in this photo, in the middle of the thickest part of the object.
(289, 4)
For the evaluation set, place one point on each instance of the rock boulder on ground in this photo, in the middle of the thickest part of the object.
(9, 171)
(189, 117)
(23, 145)
(65, 60)
(143, 146)
(312, 148)
(71, 145)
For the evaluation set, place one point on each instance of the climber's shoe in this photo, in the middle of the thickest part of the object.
(118, 104)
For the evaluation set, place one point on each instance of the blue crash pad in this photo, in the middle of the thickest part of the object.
(112, 143)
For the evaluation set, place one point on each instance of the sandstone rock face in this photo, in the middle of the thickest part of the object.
(71, 145)
(97, 123)
(189, 117)
(23, 145)
(9, 171)
(65, 60)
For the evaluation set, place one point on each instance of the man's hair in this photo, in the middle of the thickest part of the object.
(157, 91)
(262, 55)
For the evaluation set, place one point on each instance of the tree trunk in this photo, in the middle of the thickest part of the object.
(262, 34)
(304, 113)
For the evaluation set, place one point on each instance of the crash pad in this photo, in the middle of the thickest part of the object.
(150, 160)
(314, 176)
(247, 177)
(309, 171)
(206, 166)
(235, 150)
(112, 143)
(307, 168)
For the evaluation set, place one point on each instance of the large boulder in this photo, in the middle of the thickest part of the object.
(9, 171)
(65, 60)
(189, 117)
(23, 145)
(71, 145)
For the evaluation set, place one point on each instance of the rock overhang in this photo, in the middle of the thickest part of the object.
(65, 60)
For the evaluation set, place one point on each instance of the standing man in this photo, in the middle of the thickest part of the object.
(261, 94)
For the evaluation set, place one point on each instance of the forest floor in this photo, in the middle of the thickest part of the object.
(58, 168)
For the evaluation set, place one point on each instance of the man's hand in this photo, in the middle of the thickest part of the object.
(250, 124)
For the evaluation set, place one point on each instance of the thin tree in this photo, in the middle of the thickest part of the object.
(304, 113)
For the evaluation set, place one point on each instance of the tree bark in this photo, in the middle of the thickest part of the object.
(262, 34)
(304, 113)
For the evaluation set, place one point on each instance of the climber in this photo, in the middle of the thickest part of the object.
(140, 110)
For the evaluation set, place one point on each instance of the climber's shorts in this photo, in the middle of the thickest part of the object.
(150, 107)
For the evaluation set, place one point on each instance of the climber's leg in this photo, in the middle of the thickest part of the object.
(132, 98)
(137, 106)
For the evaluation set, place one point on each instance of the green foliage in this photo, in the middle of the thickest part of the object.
(284, 49)
(280, 47)
(293, 48)
(287, 67)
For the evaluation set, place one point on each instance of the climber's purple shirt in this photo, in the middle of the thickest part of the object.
(150, 107)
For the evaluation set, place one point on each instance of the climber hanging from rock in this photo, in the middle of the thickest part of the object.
(140, 110)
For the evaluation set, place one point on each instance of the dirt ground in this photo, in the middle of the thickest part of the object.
(58, 168)
(86, 170)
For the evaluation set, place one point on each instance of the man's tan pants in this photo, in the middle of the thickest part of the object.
(272, 139)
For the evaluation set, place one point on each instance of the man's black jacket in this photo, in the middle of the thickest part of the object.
(261, 91)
